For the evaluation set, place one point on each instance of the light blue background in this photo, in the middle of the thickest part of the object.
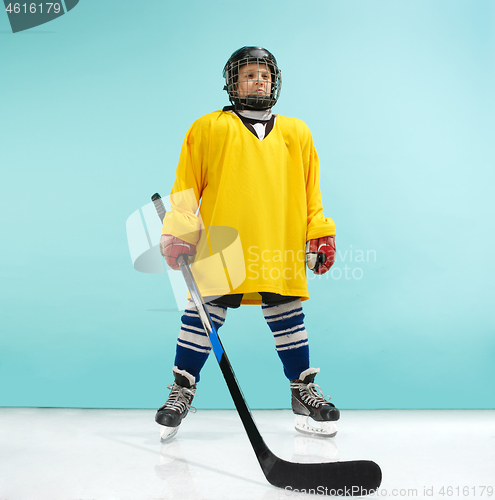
(399, 96)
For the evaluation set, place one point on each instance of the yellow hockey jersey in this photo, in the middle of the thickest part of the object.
(266, 190)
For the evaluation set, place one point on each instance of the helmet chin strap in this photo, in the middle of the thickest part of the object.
(244, 107)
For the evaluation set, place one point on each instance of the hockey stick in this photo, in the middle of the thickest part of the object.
(359, 477)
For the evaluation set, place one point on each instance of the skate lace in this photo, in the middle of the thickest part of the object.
(179, 399)
(312, 394)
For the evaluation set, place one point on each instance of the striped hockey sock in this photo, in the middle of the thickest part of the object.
(286, 321)
(193, 345)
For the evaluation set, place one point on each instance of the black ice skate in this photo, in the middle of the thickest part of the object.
(178, 404)
(308, 403)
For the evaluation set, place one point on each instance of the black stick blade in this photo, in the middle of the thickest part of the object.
(354, 478)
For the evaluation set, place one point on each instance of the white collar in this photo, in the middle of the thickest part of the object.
(256, 114)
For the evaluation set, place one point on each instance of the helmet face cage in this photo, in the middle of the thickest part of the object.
(264, 61)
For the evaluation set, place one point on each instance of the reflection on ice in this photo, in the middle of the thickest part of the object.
(309, 449)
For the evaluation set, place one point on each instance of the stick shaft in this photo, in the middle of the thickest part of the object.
(216, 344)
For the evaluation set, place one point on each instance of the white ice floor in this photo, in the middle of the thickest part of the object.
(71, 454)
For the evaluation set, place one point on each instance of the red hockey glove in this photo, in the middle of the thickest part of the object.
(171, 247)
(320, 254)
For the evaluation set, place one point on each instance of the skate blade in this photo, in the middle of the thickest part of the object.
(167, 433)
(324, 429)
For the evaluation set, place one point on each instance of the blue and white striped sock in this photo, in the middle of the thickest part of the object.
(193, 346)
(286, 321)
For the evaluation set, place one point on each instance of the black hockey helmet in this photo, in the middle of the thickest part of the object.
(240, 58)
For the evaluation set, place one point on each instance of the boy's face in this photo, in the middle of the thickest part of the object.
(254, 80)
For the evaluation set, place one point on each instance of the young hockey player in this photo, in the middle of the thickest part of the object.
(258, 173)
